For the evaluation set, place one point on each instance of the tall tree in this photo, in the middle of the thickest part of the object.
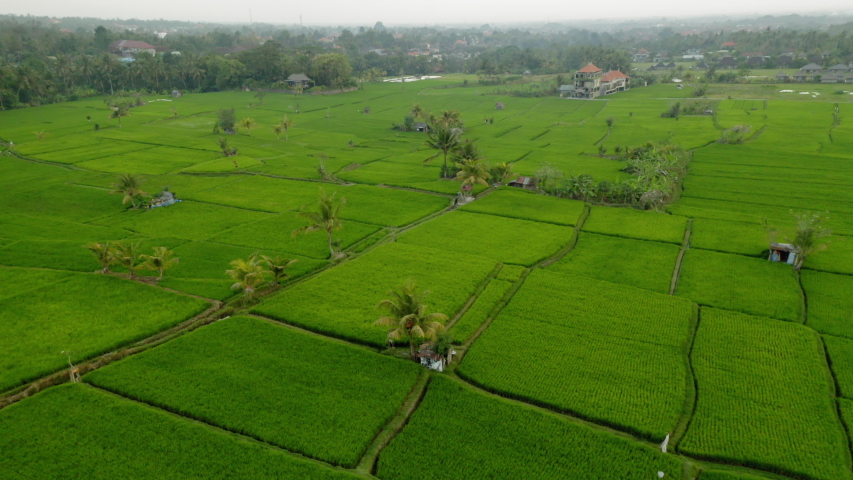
(407, 317)
(248, 123)
(127, 255)
(325, 218)
(287, 124)
(443, 139)
(809, 236)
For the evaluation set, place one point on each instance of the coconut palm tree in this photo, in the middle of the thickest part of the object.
(127, 255)
(471, 172)
(161, 260)
(450, 119)
(502, 172)
(287, 124)
(408, 318)
(119, 110)
(277, 129)
(104, 253)
(325, 218)
(130, 186)
(277, 266)
(445, 140)
(247, 123)
(248, 275)
(417, 111)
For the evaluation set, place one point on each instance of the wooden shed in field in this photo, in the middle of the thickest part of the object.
(499, 106)
(529, 183)
(783, 253)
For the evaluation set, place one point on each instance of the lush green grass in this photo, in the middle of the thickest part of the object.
(602, 351)
(837, 258)
(727, 475)
(514, 203)
(829, 302)
(480, 310)
(840, 351)
(341, 301)
(765, 398)
(525, 443)
(749, 285)
(270, 382)
(637, 263)
(84, 314)
(115, 438)
(750, 239)
(511, 273)
(508, 240)
(642, 225)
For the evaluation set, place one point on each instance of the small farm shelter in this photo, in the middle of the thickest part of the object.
(421, 127)
(299, 79)
(432, 360)
(524, 182)
(163, 199)
(801, 77)
(727, 62)
(366, 110)
(783, 252)
(567, 90)
(177, 94)
(782, 77)
(701, 66)
(831, 78)
(499, 106)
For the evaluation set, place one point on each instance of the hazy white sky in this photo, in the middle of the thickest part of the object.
(367, 12)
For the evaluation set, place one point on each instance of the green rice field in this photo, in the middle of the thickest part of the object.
(581, 334)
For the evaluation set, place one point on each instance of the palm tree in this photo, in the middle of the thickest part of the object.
(407, 317)
(277, 129)
(502, 172)
(450, 118)
(248, 275)
(417, 111)
(471, 172)
(445, 140)
(119, 110)
(287, 124)
(277, 266)
(325, 218)
(130, 186)
(127, 255)
(104, 253)
(247, 123)
(161, 260)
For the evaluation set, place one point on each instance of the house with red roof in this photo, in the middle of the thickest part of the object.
(641, 56)
(125, 47)
(591, 82)
(729, 46)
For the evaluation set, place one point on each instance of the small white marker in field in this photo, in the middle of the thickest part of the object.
(661, 474)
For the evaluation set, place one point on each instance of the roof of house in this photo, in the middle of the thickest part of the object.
(727, 61)
(841, 67)
(781, 74)
(729, 44)
(131, 44)
(613, 75)
(642, 51)
(811, 66)
(298, 77)
(566, 88)
(783, 246)
(702, 64)
(831, 76)
(590, 68)
(524, 180)
(660, 65)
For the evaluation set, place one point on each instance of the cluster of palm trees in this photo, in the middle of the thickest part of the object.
(445, 135)
(655, 169)
(127, 255)
(130, 186)
(256, 271)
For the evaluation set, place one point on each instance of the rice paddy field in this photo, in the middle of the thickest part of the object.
(590, 341)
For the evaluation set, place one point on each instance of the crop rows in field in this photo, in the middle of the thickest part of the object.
(742, 284)
(285, 387)
(528, 206)
(764, 398)
(479, 311)
(744, 238)
(605, 352)
(637, 224)
(830, 301)
(840, 353)
(507, 240)
(341, 302)
(511, 273)
(525, 443)
(83, 314)
(116, 438)
(637, 263)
